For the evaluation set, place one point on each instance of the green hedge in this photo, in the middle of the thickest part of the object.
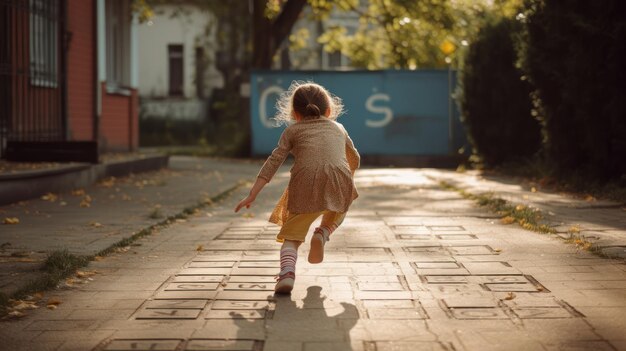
(494, 100)
(574, 54)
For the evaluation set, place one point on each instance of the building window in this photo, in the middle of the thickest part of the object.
(334, 59)
(175, 64)
(44, 42)
(118, 22)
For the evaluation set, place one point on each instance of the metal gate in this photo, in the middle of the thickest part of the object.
(32, 71)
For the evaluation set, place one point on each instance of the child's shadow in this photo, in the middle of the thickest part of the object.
(310, 324)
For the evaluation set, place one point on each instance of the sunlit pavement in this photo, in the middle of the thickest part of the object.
(413, 267)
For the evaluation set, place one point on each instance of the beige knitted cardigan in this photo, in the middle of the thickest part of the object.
(322, 175)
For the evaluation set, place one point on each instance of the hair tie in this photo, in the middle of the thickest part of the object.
(313, 110)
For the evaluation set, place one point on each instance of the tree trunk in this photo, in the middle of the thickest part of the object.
(268, 34)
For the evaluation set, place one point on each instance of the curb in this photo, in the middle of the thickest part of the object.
(33, 184)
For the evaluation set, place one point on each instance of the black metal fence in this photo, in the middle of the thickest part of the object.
(32, 71)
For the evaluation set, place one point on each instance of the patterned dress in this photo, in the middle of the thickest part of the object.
(322, 175)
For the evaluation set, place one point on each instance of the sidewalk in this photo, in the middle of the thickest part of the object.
(601, 223)
(413, 267)
(88, 220)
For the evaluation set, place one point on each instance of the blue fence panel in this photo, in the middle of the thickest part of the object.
(387, 112)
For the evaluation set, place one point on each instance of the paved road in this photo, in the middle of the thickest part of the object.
(414, 267)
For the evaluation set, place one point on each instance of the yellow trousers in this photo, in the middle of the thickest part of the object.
(297, 225)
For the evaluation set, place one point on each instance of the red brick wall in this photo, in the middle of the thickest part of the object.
(119, 122)
(80, 63)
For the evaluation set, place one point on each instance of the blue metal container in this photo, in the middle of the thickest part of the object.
(387, 112)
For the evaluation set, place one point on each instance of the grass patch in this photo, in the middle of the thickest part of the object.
(528, 218)
(61, 264)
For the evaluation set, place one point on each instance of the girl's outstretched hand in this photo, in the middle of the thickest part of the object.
(245, 203)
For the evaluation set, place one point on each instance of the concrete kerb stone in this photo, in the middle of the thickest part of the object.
(31, 184)
(573, 219)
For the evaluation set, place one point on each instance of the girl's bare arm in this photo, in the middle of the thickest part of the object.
(256, 189)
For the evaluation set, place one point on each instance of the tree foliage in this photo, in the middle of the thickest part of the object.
(406, 34)
(494, 99)
(574, 55)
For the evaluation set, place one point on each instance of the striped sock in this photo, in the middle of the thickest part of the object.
(288, 258)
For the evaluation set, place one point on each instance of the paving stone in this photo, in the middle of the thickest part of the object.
(393, 286)
(490, 268)
(456, 236)
(478, 313)
(409, 346)
(259, 264)
(388, 304)
(460, 302)
(143, 344)
(445, 279)
(249, 286)
(240, 305)
(596, 345)
(191, 286)
(212, 344)
(414, 237)
(245, 295)
(210, 264)
(204, 271)
(176, 304)
(251, 279)
(425, 248)
(236, 236)
(448, 228)
(198, 279)
(383, 295)
(168, 314)
(437, 265)
(516, 287)
(542, 312)
(185, 295)
(254, 271)
(395, 313)
(471, 250)
(501, 279)
(61, 325)
(236, 314)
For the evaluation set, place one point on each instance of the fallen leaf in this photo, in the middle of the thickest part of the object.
(15, 314)
(520, 207)
(507, 220)
(95, 224)
(52, 307)
(54, 301)
(200, 248)
(25, 305)
(497, 250)
(98, 258)
(78, 192)
(11, 220)
(49, 197)
(248, 215)
(510, 296)
(38, 295)
(533, 190)
(85, 274)
(590, 198)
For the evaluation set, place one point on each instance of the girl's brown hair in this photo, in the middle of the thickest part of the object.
(309, 100)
